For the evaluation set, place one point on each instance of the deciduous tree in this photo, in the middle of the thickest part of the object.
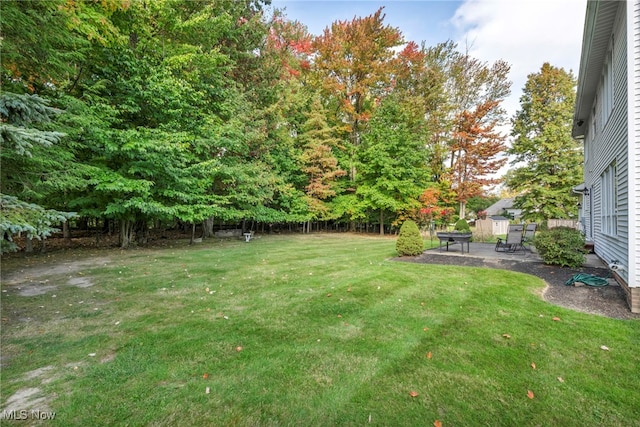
(476, 90)
(355, 62)
(393, 160)
(476, 145)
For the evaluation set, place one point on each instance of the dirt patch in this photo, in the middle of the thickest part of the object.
(37, 373)
(31, 274)
(34, 289)
(81, 282)
(41, 279)
(608, 301)
(28, 399)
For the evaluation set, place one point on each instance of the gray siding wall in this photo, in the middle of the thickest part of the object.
(609, 144)
(633, 14)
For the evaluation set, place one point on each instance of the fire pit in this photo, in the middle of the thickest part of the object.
(453, 237)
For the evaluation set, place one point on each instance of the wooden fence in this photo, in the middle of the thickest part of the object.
(572, 223)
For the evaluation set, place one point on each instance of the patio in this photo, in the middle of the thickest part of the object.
(487, 252)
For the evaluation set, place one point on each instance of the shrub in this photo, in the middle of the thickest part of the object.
(561, 246)
(409, 241)
(462, 225)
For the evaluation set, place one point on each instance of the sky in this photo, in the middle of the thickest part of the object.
(524, 33)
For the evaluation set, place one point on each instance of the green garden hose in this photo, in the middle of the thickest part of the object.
(587, 279)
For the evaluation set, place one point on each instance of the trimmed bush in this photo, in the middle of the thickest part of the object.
(409, 241)
(561, 246)
(462, 225)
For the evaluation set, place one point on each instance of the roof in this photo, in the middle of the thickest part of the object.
(498, 218)
(500, 206)
(598, 29)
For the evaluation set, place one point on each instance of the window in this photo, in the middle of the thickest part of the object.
(607, 89)
(609, 196)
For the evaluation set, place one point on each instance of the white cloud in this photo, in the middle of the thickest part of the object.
(524, 33)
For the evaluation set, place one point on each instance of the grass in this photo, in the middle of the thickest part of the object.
(313, 330)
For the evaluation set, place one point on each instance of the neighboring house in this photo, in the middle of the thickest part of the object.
(504, 207)
(607, 118)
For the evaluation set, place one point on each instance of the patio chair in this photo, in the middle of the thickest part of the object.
(513, 242)
(529, 234)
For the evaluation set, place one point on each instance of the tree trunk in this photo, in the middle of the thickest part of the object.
(126, 233)
(208, 227)
(29, 246)
(141, 231)
(381, 222)
(66, 232)
(463, 208)
(193, 234)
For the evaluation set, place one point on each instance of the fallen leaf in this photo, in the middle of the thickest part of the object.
(429, 355)
(207, 390)
(507, 336)
(413, 393)
(533, 365)
(561, 379)
(205, 375)
(92, 355)
(339, 315)
(329, 295)
(604, 347)
(556, 319)
(425, 329)
(239, 348)
(529, 394)
(437, 423)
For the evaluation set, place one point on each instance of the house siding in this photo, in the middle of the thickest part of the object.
(633, 153)
(606, 145)
(613, 139)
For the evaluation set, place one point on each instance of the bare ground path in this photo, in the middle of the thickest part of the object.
(32, 276)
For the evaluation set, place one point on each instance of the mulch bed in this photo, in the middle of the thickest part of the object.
(606, 301)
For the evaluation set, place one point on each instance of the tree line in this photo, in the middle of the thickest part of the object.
(130, 114)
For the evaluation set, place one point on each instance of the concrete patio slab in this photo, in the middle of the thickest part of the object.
(486, 251)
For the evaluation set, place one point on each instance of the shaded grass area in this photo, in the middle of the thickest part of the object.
(314, 330)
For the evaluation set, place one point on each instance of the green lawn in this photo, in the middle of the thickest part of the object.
(319, 330)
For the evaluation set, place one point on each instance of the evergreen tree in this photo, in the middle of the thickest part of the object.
(542, 132)
(318, 161)
(19, 138)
